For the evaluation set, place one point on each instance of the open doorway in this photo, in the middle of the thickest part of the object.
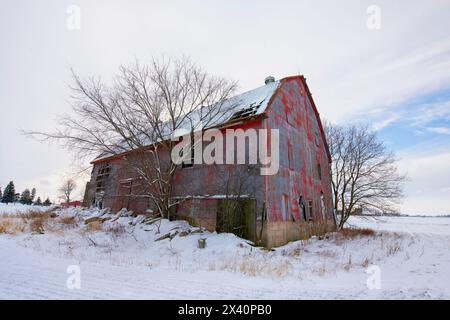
(238, 217)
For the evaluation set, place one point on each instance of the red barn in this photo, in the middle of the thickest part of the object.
(292, 204)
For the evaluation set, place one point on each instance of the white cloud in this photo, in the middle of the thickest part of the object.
(440, 130)
(378, 125)
(417, 117)
(427, 113)
(429, 176)
(387, 81)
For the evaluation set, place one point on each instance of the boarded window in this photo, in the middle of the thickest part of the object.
(126, 186)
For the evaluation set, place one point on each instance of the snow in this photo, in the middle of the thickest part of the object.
(124, 261)
(259, 95)
(410, 225)
(14, 208)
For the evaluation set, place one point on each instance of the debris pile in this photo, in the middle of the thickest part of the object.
(183, 228)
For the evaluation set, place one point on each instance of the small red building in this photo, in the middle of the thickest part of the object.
(292, 204)
(70, 204)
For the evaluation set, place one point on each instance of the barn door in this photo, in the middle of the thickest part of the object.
(238, 217)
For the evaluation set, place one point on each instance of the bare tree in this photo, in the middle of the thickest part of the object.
(364, 173)
(140, 112)
(67, 189)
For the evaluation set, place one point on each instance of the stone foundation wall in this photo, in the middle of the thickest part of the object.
(279, 233)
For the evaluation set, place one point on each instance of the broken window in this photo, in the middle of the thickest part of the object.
(102, 176)
(247, 112)
(188, 163)
(302, 208)
(253, 169)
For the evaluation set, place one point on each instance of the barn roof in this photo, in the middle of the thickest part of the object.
(250, 103)
(247, 104)
(243, 106)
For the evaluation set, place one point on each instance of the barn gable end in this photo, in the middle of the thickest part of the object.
(298, 198)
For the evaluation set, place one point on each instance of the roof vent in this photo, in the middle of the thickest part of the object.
(269, 79)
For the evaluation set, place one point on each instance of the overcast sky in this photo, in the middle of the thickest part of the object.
(396, 78)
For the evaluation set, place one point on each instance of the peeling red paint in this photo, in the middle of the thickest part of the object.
(302, 178)
(293, 112)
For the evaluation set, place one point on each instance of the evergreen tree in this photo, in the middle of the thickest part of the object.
(1, 195)
(25, 197)
(47, 202)
(38, 202)
(33, 195)
(9, 193)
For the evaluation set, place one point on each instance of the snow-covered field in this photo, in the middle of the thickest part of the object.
(121, 259)
(19, 208)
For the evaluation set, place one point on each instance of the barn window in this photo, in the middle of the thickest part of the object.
(102, 176)
(319, 171)
(190, 162)
(302, 206)
(316, 138)
(126, 184)
(310, 210)
(322, 204)
(290, 160)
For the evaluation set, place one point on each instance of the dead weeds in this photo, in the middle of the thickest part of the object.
(355, 232)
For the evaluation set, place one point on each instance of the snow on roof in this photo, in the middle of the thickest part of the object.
(253, 102)
(250, 103)
(258, 99)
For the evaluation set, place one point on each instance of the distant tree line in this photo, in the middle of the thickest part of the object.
(27, 197)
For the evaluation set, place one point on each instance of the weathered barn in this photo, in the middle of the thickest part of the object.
(272, 210)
